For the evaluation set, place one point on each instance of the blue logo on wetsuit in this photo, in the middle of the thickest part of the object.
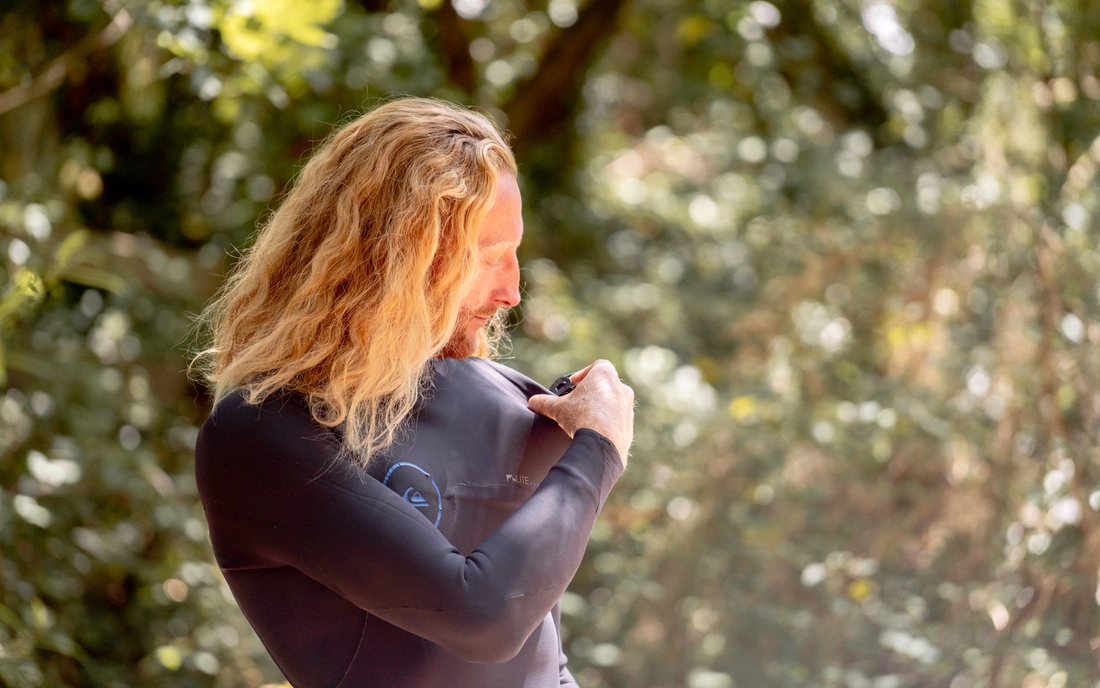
(417, 487)
(416, 499)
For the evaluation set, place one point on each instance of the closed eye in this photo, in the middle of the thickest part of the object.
(495, 255)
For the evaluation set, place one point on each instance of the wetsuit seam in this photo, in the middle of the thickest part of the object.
(506, 486)
(478, 606)
(358, 646)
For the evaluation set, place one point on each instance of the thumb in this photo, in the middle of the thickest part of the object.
(542, 404)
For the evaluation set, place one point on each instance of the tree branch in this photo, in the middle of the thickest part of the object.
(832, 60)
(454, 46)
(55, 73)
(452, 40)
(545, 101)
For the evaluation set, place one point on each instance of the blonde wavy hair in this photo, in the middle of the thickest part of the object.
(356, 282)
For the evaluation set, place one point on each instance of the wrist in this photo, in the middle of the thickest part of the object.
(610, 443)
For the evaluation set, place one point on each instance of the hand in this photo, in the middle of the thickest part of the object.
(600, 402)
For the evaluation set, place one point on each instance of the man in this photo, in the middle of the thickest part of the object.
(387, 504)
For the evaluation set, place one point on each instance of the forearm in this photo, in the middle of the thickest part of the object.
(487, 610)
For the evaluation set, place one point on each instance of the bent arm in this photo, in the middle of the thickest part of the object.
(267, 507)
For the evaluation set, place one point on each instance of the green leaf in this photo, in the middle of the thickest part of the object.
(26, 292)
(91, 276)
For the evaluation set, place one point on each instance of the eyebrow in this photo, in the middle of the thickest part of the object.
(499, 245)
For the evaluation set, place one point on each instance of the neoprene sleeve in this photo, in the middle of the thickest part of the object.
(442, 567)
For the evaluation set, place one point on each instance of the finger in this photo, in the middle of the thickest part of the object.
(543, 404)
(580, 374)
(600, 370)
(606, 367)
(602, 373)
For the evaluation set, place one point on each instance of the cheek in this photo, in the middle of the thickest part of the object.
(474, 295)
(473, 300)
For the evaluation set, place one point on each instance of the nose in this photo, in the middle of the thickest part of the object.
(506, 291)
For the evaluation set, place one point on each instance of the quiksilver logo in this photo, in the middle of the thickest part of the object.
(416, 487)
(413, 496)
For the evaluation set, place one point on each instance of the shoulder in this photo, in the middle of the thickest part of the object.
(233, 414)
(279, 426)
(525, 384)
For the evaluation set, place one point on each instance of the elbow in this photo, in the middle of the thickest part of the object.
(486, 654)
(488, 641)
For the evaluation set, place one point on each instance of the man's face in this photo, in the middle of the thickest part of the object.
(497, 284)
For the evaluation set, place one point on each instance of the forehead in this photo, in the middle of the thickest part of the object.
(503, 224)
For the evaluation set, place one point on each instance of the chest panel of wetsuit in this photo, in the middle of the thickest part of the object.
(467, 469)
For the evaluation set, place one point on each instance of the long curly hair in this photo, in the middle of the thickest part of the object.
(356, 282)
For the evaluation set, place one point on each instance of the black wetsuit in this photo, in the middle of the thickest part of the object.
(443, 567)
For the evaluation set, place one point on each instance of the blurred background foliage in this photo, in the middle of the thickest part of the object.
(844, 250)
